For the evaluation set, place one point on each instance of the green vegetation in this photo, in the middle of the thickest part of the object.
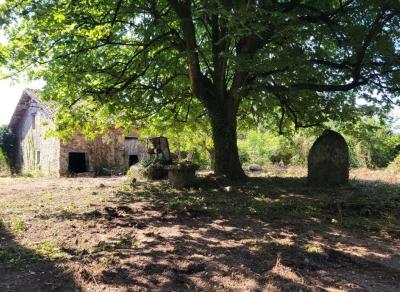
(371, 143)
(394, 166)
(123, 243)
(13, 255)
(4, 168)
(312, 249)
(49, 250)
(185, 139)
(295, 64)
(148, 169)
(17, 257)
(7, 149)
(264, 147)
(359, 207)
(19, 226)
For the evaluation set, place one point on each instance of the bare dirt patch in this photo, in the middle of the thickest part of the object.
(275, 233)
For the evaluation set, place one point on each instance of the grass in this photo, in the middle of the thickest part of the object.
(309, 248)
(250, 226)
(17, 257)
(19, 226)
(124, 243)
(358, 206)
(49, 249)
(15, 227)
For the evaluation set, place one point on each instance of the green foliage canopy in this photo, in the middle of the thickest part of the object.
(122, 62)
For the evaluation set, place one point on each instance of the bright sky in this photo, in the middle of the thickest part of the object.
(10, 92)
(9, 96)
(396, 115)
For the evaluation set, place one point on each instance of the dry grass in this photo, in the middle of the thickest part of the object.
(275, 233)
(378, 176)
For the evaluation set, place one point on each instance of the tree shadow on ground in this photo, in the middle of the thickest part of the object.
(360, 205)
(23, 269)
(275, 233)
(272, 233)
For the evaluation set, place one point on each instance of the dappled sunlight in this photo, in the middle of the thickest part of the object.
(272, 233)
(31, 268)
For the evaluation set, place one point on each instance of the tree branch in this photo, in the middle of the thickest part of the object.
(201, 86)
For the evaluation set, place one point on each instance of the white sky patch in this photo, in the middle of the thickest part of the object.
(10, 92)
(3, 38)
(396, 115)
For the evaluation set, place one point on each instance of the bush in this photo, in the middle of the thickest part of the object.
(4, 167)
(8, 148)
(153, 169)
(394, 166)
(371, 144)
(264, 147)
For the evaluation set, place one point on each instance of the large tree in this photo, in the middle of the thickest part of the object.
(131, 59)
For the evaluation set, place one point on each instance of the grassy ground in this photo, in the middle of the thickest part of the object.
(274, 233)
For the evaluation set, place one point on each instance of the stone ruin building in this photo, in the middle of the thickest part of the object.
(50, 156)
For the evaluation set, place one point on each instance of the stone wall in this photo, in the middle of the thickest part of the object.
(136, 147)
(41, 155)
(107, 151)
(38, 154)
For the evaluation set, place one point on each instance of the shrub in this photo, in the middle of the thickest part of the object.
(148, 169)
(263, 147)
(4, 167)
(371, 144)
(8, 148)
(394, 166)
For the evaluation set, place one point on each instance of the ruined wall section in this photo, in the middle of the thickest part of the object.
(106, 151)
(38, 154)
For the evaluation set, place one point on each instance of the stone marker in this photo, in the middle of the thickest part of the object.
(328, 160)
(255, 168)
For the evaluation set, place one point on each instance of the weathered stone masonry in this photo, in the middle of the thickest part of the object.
(39, 154)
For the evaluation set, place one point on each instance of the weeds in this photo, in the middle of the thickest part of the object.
(309, 248)
(19, 225)
(17, 257)
(362, 207)
(49, 249)
(47, 197)
(124, 243)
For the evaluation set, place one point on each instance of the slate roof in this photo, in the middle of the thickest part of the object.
(23, 104)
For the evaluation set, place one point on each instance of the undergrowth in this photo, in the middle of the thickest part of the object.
(357, 206)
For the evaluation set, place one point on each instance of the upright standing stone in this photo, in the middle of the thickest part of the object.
(328, 160)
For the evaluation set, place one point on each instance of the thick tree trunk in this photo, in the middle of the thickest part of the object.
(223, 123)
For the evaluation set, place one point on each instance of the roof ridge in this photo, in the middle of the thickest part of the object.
(20, 109)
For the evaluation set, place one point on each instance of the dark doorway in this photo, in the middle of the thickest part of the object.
(133, 159)
(76, 162)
